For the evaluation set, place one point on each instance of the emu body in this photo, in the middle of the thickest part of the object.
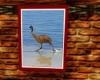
(41, 39)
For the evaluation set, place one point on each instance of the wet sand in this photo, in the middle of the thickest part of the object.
(42, 59)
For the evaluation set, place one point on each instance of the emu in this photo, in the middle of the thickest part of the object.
(41, 39)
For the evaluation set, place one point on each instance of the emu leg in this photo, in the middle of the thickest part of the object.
(39, 48)
(52, 47)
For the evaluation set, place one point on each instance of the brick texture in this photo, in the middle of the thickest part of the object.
(83, 42)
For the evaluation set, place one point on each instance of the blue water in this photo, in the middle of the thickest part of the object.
(48, 22)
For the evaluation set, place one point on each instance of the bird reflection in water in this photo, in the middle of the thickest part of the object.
(44, 59)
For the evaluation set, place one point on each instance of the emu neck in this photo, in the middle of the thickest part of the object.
(34, 35)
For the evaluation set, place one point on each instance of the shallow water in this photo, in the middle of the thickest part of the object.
(45, 23)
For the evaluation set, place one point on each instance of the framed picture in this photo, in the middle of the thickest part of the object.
(42, 30)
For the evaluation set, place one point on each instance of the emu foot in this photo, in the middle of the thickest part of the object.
(38, 50)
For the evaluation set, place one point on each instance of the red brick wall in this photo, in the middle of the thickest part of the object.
(83, 43)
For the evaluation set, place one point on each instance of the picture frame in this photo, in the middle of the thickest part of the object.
(42, 36)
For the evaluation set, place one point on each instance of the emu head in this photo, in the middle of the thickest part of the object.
(31, 27)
